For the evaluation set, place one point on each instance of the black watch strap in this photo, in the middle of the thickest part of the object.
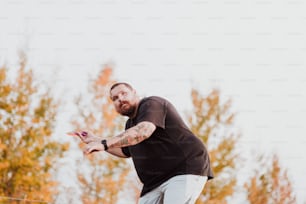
(104, 142)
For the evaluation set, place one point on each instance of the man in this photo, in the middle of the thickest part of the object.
(172, 163)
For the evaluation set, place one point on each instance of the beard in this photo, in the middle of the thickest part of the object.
(128, 111)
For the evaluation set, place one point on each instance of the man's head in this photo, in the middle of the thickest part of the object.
(124, 98)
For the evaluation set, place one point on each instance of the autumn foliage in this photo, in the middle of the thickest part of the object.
(106, 174)
(212, 121)
(270, 184)
(29, 155)
(27, 152)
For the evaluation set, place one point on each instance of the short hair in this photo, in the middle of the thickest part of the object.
(120, 83)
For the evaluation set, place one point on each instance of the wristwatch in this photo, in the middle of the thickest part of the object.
(104, 142)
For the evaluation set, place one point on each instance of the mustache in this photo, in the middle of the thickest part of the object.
(123, 103)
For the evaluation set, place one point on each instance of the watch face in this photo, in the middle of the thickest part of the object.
(104, 144)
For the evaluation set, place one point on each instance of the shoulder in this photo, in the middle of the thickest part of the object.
(152, 99)
(153, 102)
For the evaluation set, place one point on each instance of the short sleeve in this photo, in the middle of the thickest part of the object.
(126, 151)
(153, 111)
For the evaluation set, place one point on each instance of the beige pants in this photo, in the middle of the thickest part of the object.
(183, 189)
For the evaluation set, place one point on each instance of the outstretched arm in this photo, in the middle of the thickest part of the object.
(131, 136)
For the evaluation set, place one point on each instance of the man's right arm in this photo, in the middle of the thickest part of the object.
(129, 137)
(117, 151)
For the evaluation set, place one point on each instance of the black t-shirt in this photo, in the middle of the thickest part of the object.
(171, 150)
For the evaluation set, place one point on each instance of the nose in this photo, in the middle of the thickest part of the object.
(120, 97)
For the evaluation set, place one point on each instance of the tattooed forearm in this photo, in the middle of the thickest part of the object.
(134, 135)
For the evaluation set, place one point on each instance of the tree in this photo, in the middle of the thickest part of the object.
(212, 121)
(27, 152)
(105, 174)
(270, 184)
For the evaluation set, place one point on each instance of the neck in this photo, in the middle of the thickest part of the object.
(136, 109)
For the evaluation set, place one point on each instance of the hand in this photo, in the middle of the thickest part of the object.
(93, 147)
(85, 136)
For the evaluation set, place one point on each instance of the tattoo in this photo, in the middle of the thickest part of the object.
(134, 135)
(142, 132)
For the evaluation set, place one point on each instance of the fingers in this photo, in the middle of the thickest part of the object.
(93, 147)
(92, 142)
(82, 135)
(87, 150)
(76, 133)
(72, 133)
(90, 149)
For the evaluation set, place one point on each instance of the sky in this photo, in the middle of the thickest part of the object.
(252, 51)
